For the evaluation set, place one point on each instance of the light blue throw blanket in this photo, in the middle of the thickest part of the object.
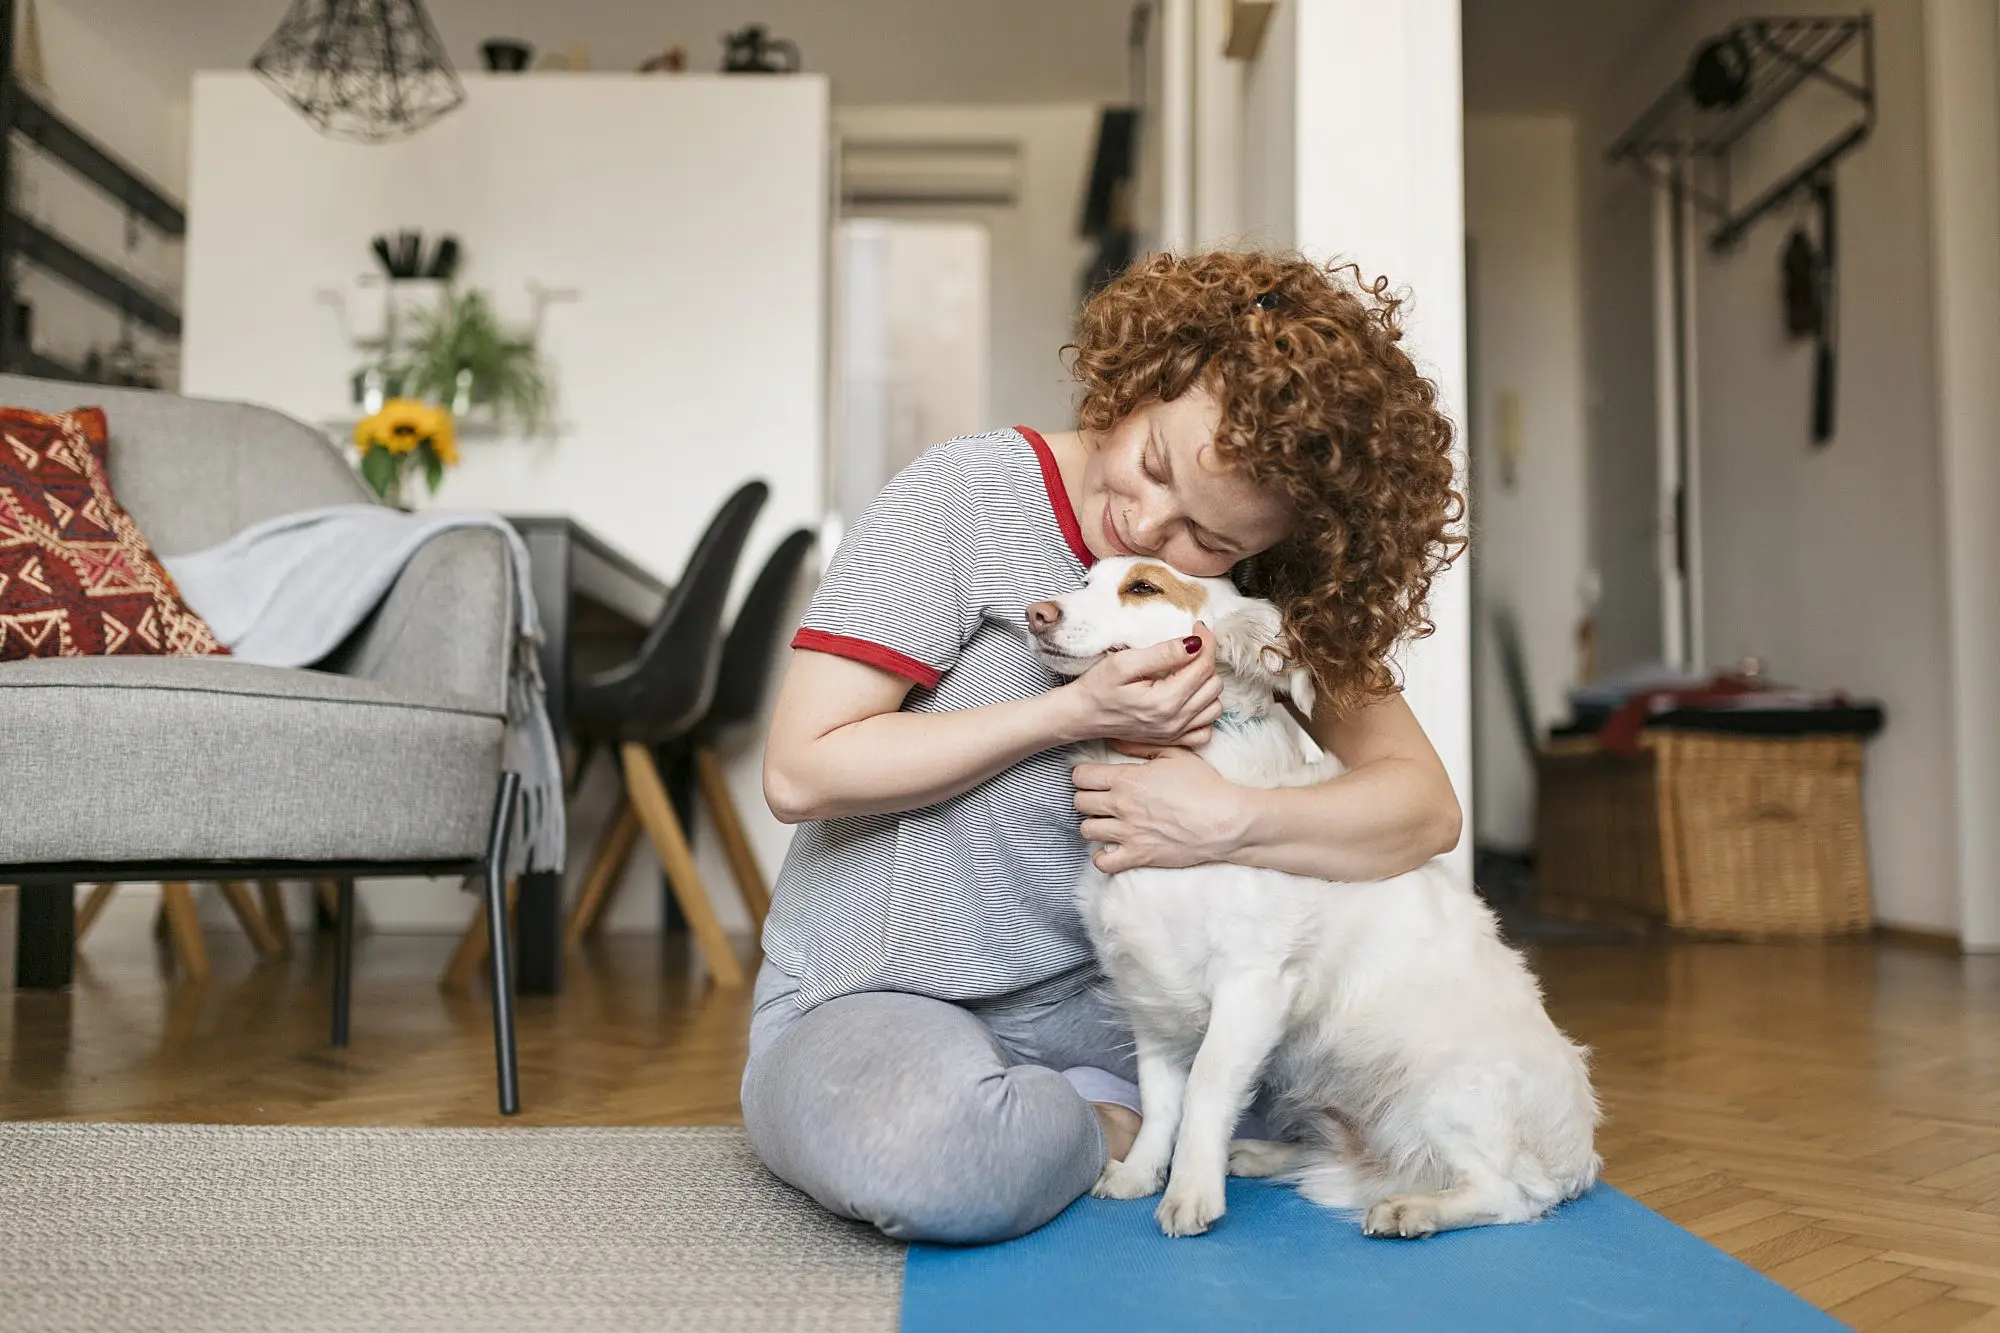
(287, 592)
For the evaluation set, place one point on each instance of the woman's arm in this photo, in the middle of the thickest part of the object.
(1392, 811)
(839, 746)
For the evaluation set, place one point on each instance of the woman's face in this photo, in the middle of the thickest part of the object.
(1154, 487)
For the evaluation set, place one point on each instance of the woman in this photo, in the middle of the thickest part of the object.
(928, 1051)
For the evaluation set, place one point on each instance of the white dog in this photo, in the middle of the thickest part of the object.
(1403, 1048)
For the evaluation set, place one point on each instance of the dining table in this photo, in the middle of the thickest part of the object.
(595, 604)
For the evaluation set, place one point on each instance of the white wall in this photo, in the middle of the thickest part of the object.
(1268, 129)
(1964, 136)
(1037, 259)
(1824, 563)
(1530, 514)
(692, 359)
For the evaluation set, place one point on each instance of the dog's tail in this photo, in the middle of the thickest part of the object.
(1332, 1179)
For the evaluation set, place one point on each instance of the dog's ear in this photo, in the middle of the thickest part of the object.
(1299, 685)
(1250, 645)
(1246, 634)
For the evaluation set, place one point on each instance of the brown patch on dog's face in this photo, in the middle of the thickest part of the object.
(1145, 582)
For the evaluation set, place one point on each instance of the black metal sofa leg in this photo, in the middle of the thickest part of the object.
(500, 943)
(45, 941)
(343, 959)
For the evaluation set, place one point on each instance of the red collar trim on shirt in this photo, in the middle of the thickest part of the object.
(1058, 496)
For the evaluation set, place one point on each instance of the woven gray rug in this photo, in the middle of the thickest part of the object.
(193, 1228)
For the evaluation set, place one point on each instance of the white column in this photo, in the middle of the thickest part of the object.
(1176, 124)
(1218, 125)
(1378, 162)
(1668, 347)
(1962, 44)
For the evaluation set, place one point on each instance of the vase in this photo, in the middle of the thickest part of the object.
(507, 56)
(392, 495)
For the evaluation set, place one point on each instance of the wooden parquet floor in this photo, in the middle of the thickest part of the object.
(1830, 1115)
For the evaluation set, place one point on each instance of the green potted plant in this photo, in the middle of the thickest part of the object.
(459, 354)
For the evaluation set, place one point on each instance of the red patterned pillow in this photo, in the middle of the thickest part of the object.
(77, 578)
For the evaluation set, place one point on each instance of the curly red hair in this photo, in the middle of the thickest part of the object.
(1321, 404)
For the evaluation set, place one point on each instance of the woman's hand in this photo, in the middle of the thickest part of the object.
(1166, 694)
(1173, 810)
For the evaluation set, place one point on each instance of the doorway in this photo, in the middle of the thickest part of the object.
(913, 305)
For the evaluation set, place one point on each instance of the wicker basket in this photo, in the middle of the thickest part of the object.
(1732, 835)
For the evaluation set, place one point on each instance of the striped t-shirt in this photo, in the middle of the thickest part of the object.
(970, 899)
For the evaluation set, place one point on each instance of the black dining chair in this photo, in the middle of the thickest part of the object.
(655, 699)
(739, 697)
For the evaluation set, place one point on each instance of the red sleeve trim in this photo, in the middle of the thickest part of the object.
(874, 654)
(1065, 512)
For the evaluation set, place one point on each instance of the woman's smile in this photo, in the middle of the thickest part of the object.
(1118, 545)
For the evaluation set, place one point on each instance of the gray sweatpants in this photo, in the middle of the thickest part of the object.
(932, 1121)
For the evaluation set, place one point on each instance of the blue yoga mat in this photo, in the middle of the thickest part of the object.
(1276, 1263)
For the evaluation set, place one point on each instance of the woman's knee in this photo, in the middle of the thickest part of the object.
(989, 1160)
(916, 1124)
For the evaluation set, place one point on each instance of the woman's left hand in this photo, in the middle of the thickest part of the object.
(1171, 811)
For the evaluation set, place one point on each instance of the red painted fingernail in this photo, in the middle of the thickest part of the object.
(1192, 643)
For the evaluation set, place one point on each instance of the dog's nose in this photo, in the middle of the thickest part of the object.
(1043, 615)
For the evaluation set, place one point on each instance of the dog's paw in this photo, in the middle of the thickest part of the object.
(1260, 1158)
(1126, 1180)
(1187, 1210)
(1403, 1219)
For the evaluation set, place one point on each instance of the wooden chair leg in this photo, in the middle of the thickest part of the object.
(729, 826)
(470, 955)
(177, 901)
(607, 868)
(271, 895)
(648, 795)
(100, 894)
(237, 894)
(328, 893)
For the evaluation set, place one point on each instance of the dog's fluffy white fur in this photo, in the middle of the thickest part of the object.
(1409, 1066)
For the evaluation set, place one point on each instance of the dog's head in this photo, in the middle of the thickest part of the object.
(1130, 601)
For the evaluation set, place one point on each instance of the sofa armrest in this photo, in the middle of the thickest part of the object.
(446, 627)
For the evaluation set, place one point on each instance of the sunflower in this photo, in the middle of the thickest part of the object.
(404, 435)
(400, 426)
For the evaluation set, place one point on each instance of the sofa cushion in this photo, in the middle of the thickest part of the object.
(77, 578)
(204, 759)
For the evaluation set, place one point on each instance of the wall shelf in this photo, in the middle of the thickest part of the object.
(41, 127)
(56, 137)
(1777, 57)
(46, 250)
(30, 362)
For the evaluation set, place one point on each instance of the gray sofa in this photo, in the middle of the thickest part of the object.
(385, 762)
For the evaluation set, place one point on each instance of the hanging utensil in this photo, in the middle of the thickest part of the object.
(1823, 360)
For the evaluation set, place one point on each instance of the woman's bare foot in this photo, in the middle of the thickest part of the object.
(1121, 1126)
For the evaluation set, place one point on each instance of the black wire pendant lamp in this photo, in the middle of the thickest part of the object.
(365, 70)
